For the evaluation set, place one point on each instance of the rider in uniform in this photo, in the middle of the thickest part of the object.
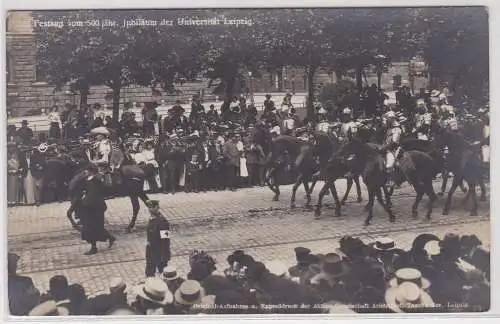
(100, 155)
(392, 140)
(290, 122)
(448, 118)
(423, 120)
(323, 124)
(349, 125)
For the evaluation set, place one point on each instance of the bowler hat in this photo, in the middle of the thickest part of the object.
(169, 273)
(384, 244)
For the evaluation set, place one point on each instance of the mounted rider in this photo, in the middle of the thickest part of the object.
(423, 121)
(99, 153)
(349, 125)
(448, 119)
(392, 142)
(323, 125)
(290, 122)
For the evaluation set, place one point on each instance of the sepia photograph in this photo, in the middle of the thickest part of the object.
(248, 161)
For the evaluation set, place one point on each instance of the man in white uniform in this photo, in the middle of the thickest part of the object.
(392, 141)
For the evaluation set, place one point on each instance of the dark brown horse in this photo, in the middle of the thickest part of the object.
(466, 165)
(367, 158)
(419, 169)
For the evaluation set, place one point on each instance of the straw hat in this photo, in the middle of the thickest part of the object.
(190, 292)
(156, 291)
(409, 275)
(408, 295)
(277, 268)
(169, 273)
(384, 244)
(100, 131)
(49, 308)
(432, 248)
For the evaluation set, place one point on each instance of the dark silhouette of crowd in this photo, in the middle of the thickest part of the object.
(451, 274)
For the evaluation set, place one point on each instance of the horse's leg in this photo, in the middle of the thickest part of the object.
(271, 182)
(454, 185)
(380, 199)
(369, 206)
(335, 196)
(472, 187)
(429, 190)
(348, 189)
(388, 203)
(296, 185)
(322, 192)
(134, 199)
(414, 208)
(466, 198)
(308, 193)
(358, 188)
(444, 174)
(483, 190)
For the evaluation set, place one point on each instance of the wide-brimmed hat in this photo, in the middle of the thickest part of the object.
(408, 295)
(169, 273)
(277, 267)
(432, 248)
(49, 308)
(333, 265)
(410, 275)
(190, 292)
(99, 131)
(384, 244)
(420, 241)
(435, 93)
(156, 291)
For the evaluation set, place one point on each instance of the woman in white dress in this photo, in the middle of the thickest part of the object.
(55, 123)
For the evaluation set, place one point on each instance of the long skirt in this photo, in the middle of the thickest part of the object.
(93, 225)
(12, 188)
(29, 187)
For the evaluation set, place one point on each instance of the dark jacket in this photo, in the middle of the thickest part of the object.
(37, 165)
(23, 296)
(231, 153)
(255, 154)
(25, 134)
(158, 234)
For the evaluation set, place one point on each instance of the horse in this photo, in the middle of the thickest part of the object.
(301, 153)
(129, 180)
(419, 169)
(367, 158)
(466, 165)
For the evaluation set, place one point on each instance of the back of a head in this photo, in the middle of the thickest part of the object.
(58, 286)
(123, 311)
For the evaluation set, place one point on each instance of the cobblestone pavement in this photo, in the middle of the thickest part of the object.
(217, 222)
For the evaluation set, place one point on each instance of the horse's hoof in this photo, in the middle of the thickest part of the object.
(414, 214)
(90, 252)
(275, 198)
(317, 213)
(440, 194)
(473, 213)
(292, 206)
(337, 213)
(112, 240)
(360, 199)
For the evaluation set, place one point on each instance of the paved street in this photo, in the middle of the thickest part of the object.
(217, 222)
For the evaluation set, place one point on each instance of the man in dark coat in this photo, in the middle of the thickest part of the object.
(37, 167)
(158, 234)
(232, 155)
(91, 208)
(212, 115)
(25, 133)
(23, 295)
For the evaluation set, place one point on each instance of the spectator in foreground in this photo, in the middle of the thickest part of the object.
(23, 295)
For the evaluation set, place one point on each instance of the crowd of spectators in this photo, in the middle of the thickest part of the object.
(435, 275)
